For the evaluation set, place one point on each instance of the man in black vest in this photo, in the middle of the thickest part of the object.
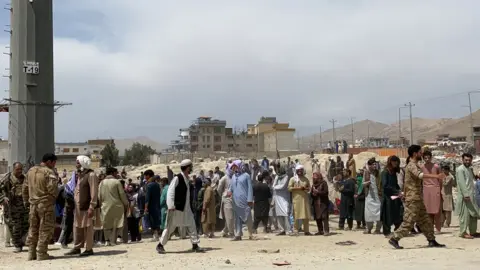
(179, 210)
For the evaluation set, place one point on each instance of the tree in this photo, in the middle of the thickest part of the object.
(138, 154)
(110, 156)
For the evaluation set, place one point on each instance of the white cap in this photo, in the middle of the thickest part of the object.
(185, 162)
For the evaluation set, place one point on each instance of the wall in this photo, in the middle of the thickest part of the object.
(477, 145)
(283, 140)
(384, 152)
(4, 150)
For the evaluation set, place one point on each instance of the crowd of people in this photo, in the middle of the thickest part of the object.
(103, 209)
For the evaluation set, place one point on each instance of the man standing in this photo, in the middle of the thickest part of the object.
(261, 198)
(320, 203)
(447, 196)
(281, 199)
(15, 212)
(373, 197)
(415, 211)
(226, 207)
(39, 193)
(242, 193)
(467, 209)
(299, 186)
(86, 200)
(209, 217)
(113, 201)
(265, 163)
(432, 189)
(152, 203)
(179, 210)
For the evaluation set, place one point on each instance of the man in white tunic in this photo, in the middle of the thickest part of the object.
(281, 199)
(226, 207)
(372, 201)
(179, 212)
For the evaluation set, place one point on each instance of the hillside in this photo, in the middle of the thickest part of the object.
(423, 128)
(123, 144)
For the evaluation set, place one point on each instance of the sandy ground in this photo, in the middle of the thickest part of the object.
(303, 252)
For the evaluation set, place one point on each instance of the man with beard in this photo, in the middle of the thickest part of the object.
(415, 210)
(86, 200)
(15, 212)
(39, 193)
(262, 196)
(432, 191)
(320, 203)
(467, 209)
(179, 210)
(242, 193)
(299, 186)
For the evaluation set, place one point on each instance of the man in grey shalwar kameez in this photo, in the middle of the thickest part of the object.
(226, 207)
(281, 199)
(241, 192)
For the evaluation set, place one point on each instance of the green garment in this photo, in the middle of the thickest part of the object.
(359, 184)
(163, 207)
(467, 212)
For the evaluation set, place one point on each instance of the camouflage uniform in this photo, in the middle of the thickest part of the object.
(415, 211)
(15, 212)
(40, 192)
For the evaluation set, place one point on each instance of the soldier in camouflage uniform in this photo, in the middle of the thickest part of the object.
(415, 211)
(15, 213)
(40, 193)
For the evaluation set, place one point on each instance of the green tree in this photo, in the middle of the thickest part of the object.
(110, 156)
(138, 154)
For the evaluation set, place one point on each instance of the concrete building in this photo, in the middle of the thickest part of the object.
(476, 137)
(91, 148)
(281, 137)
(375, 142)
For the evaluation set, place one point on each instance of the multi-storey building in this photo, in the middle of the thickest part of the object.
(476, 138)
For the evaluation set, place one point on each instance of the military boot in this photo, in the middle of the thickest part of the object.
(32, 253)
(43, 257)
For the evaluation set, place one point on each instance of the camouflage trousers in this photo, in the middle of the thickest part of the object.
(16, 218)
(415, 212)
(42, 226)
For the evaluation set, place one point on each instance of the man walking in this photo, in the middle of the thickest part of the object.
(415, 211)
(15, 212)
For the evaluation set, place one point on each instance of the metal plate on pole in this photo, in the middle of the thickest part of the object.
(30, 67)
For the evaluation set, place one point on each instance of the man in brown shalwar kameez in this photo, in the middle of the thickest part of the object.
(447, 197)
(209, 217)
(320, 203)
(86, 199)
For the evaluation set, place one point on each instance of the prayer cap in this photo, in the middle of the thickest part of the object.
(185, 162)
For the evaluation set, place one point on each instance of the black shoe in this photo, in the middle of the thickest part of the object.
(236, 238)
(87, 253)
(160, 249)
(281, 234)
(394, 243)
(435, 244)
(73, 252)
(196, 248)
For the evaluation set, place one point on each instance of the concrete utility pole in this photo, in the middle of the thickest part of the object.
(410, 105)
(471, 114)
(334, 137)
(353, 131)
(31, 104)
(400, 125)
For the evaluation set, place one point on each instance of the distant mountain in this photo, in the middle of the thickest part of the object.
(123, 144)
(426, 129)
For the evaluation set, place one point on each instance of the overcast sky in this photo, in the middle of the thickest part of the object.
(148, 67)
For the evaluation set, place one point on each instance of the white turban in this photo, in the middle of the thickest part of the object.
(85, 162)
(299, 167)
(185, 162)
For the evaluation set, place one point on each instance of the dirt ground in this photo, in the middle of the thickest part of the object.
(303, 252)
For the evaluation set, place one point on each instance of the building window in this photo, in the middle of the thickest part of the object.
(217, 138)
(208, 138)
(194, 148)
(217, 130)
(95, 151)
(66, 150)
(208, 145)
(203, 138)
(75, 150)
(208, 130)
(217, 148)
(230, 145)
(249, 145)
(194, 138)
